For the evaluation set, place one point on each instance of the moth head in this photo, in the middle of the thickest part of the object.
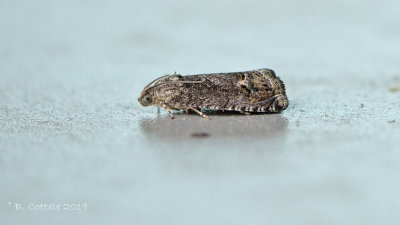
(151, 93)
(146, 98)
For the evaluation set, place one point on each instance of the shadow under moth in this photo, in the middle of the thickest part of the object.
(254, 91)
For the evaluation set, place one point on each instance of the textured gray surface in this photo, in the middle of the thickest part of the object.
(71, 130)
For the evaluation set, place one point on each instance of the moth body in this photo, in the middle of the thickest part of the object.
(247, 92)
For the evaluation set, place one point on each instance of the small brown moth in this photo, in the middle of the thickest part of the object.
(246, 92)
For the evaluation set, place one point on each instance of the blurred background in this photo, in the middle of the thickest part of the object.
(72, 131)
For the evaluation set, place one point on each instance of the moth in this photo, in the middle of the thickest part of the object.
(255, 91)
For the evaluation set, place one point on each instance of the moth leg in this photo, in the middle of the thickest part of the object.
(267, 101)
(168, 110)
(274, 104)
(281, 102)
(200, 113)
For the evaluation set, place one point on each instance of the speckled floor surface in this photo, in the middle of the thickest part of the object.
(72, 132)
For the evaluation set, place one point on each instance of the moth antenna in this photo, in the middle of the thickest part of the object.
(174, 82)
(155, 81)
(147, 87)
(185, 82)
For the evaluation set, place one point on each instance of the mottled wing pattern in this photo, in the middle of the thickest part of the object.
(249, 91)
